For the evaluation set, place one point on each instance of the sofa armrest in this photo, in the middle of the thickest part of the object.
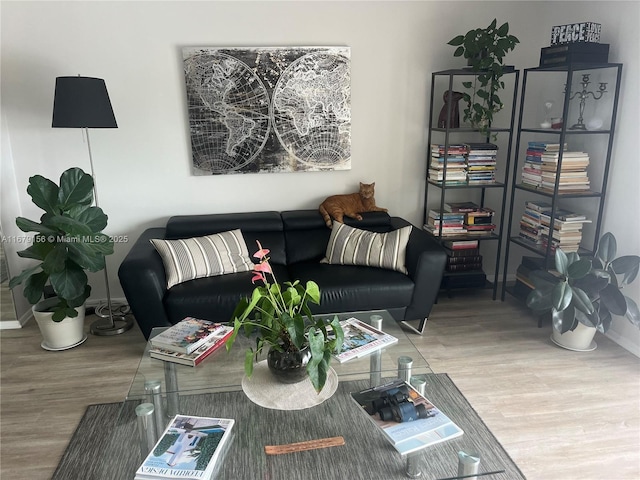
(144, 282)
(425, 262)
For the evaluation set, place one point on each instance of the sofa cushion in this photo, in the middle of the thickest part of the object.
(353, 246)
(213, 298)
(307, 234)
(198, 257)
(349, 288)
(265, 227)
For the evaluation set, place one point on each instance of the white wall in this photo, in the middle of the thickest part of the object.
(143, 167)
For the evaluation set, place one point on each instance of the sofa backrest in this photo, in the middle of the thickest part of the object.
(306, 234)
(265, 227)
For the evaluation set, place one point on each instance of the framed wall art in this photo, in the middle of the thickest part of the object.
(268, 109)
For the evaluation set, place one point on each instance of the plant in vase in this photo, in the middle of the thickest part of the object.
(588, 291)
(281, 316)
(68, 241)
(484, 49)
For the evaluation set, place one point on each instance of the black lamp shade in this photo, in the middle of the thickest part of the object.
(82, 102)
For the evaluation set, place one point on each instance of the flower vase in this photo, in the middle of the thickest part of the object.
(289, 367)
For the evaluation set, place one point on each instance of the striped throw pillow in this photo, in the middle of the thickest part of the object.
(190, 258)
(352, 246)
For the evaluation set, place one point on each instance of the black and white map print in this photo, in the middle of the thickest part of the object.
(268, 109)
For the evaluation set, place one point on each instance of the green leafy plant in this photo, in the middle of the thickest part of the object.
(588, 291)
(484, 49)
(68, 241)
(283, 320)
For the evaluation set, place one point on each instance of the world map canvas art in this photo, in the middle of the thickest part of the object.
(268, 109)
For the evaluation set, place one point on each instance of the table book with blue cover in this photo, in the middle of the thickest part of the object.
(408, 420)
(189, 449)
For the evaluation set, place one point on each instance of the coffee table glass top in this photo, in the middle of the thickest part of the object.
(223, 371)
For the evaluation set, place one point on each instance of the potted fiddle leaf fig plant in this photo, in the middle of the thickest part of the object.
(587, 294)
(299, 344)
(68, 241)
(484, 49)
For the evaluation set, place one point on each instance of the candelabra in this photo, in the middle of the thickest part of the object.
(583, 98)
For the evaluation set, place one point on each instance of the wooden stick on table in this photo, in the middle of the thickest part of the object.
(302, 446)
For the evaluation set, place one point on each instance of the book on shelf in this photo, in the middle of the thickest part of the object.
(463, 267)
(186, 335)
(436, 215)
(546, 146)
(538, 205)
(445, 231)
(463, 207)
(189, 448)
(409, 421)
(196, 357)
(361, 339)
(462, 252)
(464, 259)
(480, 227)
(461, 244)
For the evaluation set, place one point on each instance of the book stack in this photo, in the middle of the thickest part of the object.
(481, 163)
(455, 156)
(190, 341)
(530, 267)
(463, 255)
(532, 167)
(479, 222)
(530, 222)
(450, 223)
(567, 229)
(573, 172)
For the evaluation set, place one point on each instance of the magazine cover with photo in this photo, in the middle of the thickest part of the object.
(361, 339)
(189, 448)
(408, 420)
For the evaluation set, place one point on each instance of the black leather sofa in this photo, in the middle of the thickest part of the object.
(298, 241)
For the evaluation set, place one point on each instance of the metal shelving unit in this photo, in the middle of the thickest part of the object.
(449, 80)
(537, 83)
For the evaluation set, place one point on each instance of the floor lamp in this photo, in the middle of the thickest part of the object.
(83, 102)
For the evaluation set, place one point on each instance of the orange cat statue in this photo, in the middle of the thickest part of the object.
(351, 205)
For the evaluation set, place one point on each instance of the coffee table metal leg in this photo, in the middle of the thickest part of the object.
(153, 388)
(404, 368)
(413, 466)
(171, 381)
(146, 428)
(375, 368)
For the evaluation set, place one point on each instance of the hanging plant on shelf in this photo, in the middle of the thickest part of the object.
(484, 49)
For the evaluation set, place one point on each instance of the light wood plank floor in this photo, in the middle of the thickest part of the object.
(560, 414)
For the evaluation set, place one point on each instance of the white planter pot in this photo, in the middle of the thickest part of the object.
(59, 335)
(579, 339)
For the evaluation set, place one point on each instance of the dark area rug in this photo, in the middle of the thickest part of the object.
(105, 444)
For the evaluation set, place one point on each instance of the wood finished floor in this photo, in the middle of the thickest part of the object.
(561, 415)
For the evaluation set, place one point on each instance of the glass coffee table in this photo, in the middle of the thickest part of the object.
(214, 389)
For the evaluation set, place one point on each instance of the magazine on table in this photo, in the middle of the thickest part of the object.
(213, 344)
(187, 335)
(361, 339)
(189, 449)
(408, 420)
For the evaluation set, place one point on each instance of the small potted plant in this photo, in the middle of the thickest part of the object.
(484, 49)
(299, 345)
(68, 241)
(587, 294)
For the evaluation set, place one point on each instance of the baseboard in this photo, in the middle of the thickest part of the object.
(24, 319)
(19, 323)
(624, 342)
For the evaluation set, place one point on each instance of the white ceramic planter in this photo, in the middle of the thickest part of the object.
(59, 335)
(579, 339)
